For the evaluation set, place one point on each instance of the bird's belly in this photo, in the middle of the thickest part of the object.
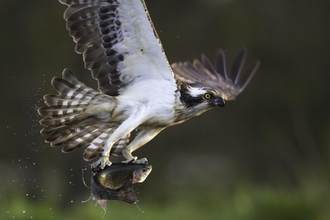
(152, 112)
(159, 117)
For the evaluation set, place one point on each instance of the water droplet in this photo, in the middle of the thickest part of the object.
(139, 208)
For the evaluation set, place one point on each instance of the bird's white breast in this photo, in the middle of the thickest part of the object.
(156, 97)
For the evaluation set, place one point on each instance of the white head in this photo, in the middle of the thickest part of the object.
(200, 100)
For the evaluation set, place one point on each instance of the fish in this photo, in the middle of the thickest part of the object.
(115, 182)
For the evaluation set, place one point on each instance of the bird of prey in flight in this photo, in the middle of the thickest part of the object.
(138, 88)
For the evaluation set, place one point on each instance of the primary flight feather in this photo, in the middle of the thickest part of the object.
(138, 89)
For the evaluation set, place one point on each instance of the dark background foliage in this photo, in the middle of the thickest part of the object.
(273, 140)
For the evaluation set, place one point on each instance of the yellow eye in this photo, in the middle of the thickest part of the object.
(207, 96)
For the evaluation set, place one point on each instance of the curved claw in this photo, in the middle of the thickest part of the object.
(101, 163)
(142, 161)
(134, 160)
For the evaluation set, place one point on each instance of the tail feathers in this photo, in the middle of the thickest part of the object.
(73, 99)
(52, 123)
(69, 121)
(93, 137)
(70, 87)
(117, 148)
(60, 136)
(59, 100)
(98, 143)
(83, 138)
(58, 116)
(97, 146)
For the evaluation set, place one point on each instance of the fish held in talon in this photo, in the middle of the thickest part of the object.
(114, 176)
(115, 182)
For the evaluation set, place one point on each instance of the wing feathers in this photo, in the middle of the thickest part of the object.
(208, 65)
(237, 65)
(220, 64)
(203, 74)
(247, 75)
(113, 35)
(95, 29)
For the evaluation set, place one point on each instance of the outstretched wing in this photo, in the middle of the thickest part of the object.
(117, 40)
(204, 74)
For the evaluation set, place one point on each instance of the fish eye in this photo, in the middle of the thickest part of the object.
(207, 95)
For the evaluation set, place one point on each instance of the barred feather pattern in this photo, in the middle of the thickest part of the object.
(96, 28)
(67, 124)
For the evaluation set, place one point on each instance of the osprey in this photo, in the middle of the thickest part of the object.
(138, 89)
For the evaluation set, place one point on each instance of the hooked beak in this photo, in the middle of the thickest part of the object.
(219, 102)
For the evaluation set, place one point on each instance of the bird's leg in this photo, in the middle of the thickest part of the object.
(104, 159)
(124, 129)
(142, 138)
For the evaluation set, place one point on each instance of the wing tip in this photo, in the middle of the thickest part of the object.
(229, 85)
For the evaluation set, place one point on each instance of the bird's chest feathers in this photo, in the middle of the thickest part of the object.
(153, 103)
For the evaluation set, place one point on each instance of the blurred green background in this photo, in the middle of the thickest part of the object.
(264, 156)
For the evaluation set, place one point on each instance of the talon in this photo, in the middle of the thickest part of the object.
(130, 160)
(95, 165)
(142, 161)
(101, 163)
(134, 160)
